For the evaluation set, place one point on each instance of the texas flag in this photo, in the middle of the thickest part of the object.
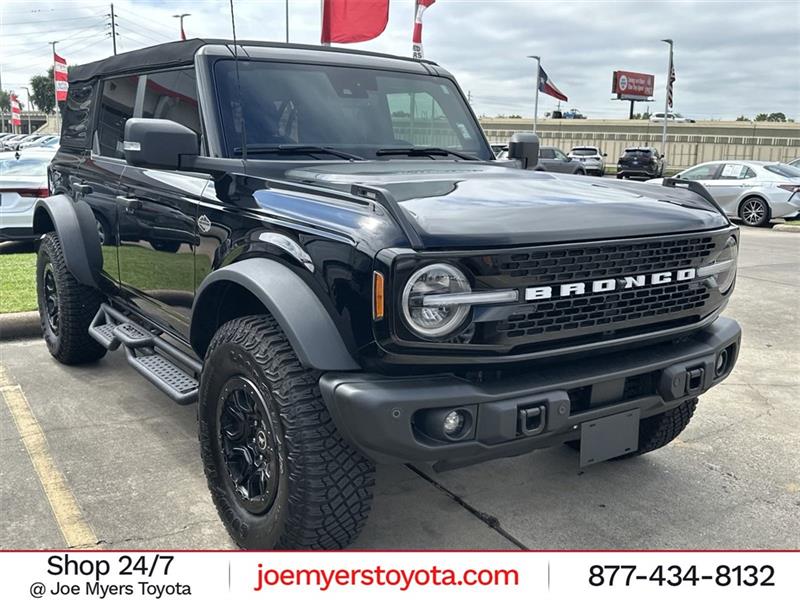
(548, 87)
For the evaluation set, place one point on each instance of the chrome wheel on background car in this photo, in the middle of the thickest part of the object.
(754, 212)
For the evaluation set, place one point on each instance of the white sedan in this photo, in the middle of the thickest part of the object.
(753, 191)
(23, 180)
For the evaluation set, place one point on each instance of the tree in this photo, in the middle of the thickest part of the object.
(742, 118)
(5, 101)
(777, 117)
(43, 91)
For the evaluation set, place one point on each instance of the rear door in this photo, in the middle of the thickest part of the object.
(158, 211)
(731, 180)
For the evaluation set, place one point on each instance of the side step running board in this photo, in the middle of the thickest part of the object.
(173, 372)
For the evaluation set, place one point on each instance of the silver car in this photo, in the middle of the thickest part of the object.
(23, 180)
(751, 190)
(592, 159)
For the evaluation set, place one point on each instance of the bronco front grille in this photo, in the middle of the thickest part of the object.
(557, 265)
(605, 311)
(581, 318)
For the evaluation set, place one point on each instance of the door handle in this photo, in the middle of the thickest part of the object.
(129, 204)
(82, 188)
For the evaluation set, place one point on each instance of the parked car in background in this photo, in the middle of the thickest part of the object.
(753, 191)
(16, 143)
(640, 161)
(671, 117)
(23, 180)
(553, 159)
(573, 113)
(795, 163)
(498, 149)
(591, 158)
(10, 140)
(45, 141)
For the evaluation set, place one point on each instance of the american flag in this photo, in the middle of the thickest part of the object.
(671, 79)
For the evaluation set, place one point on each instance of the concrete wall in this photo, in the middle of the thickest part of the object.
(688, 143)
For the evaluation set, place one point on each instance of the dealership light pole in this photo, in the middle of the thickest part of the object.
(181, 17)
(667, 92)
(536, 94)
(28, 93)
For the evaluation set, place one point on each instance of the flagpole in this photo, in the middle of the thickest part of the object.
(536, 93)
(666, 107)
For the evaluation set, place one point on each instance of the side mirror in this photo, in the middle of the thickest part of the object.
(524, 147)
(604, 154)
(158, 143)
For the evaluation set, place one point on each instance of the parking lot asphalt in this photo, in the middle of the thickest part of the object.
(124, 459)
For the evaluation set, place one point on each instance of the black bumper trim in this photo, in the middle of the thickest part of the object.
(375, 412)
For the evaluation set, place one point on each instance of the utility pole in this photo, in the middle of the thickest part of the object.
(666, 105)
(287, 20)
(536, 96)
(2, 119)
(113, 29)
(28, 94)
(181, 17)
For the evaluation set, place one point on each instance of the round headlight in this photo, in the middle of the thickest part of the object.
(728, 257)
(441, 319)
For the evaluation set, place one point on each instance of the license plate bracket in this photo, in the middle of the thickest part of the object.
(609, 437)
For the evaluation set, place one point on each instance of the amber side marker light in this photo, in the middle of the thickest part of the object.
(377, 296)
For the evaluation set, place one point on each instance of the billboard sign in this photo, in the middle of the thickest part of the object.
(628, 85)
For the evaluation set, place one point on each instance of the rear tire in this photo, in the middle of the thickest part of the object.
(754, 212)
(66, 307)
(304, 487)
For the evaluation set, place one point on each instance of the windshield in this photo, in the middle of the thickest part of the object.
(783, 170)
(583, 152)
(355, 110)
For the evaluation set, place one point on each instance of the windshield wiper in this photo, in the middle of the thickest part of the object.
(423, 151)
(287, 149)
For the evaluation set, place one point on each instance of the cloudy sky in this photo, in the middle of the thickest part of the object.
(731, 57)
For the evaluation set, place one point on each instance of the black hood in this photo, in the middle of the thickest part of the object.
(466, 204)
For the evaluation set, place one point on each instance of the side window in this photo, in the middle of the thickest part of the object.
(560, 155)
(172, 95)
(77, 115)
(547, 153)
(116, 107)
(700, 173)
(734, 171)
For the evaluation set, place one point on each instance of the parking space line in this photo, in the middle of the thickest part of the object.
(76, 530)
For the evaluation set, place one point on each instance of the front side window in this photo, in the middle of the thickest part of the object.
(699, 173)
(355, 110)
(559, 155)
(172, 95)
(547, 153)
(116, 107)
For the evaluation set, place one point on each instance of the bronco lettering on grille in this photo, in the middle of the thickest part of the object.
(608, 285)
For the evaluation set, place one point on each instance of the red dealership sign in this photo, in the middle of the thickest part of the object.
(628, 85)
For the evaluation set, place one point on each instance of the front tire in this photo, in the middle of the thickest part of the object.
(279, 472)
(66, 307)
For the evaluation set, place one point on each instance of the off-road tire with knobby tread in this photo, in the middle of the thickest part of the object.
(77, 306)
(325, 485)
(659, 430)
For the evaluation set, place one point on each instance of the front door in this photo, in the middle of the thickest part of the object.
(158, 211)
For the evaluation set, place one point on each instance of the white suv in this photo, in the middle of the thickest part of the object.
(591, 158)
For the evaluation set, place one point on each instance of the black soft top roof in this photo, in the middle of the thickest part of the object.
(175, 54)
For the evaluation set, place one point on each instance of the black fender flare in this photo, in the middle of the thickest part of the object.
(294, 305)
(75, 225)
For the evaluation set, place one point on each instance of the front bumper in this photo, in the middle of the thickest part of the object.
(380, 415)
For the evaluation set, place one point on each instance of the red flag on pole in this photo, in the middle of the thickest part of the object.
(416, 39)
(546, 86)
(60, 77)
(348, 21)
(16, 111)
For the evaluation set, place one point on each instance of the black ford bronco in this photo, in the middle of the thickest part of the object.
(319, 247)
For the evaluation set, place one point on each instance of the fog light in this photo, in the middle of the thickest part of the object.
(722, 363)
(453, 423)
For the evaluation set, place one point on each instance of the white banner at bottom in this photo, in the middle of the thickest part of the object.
(426, 574)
